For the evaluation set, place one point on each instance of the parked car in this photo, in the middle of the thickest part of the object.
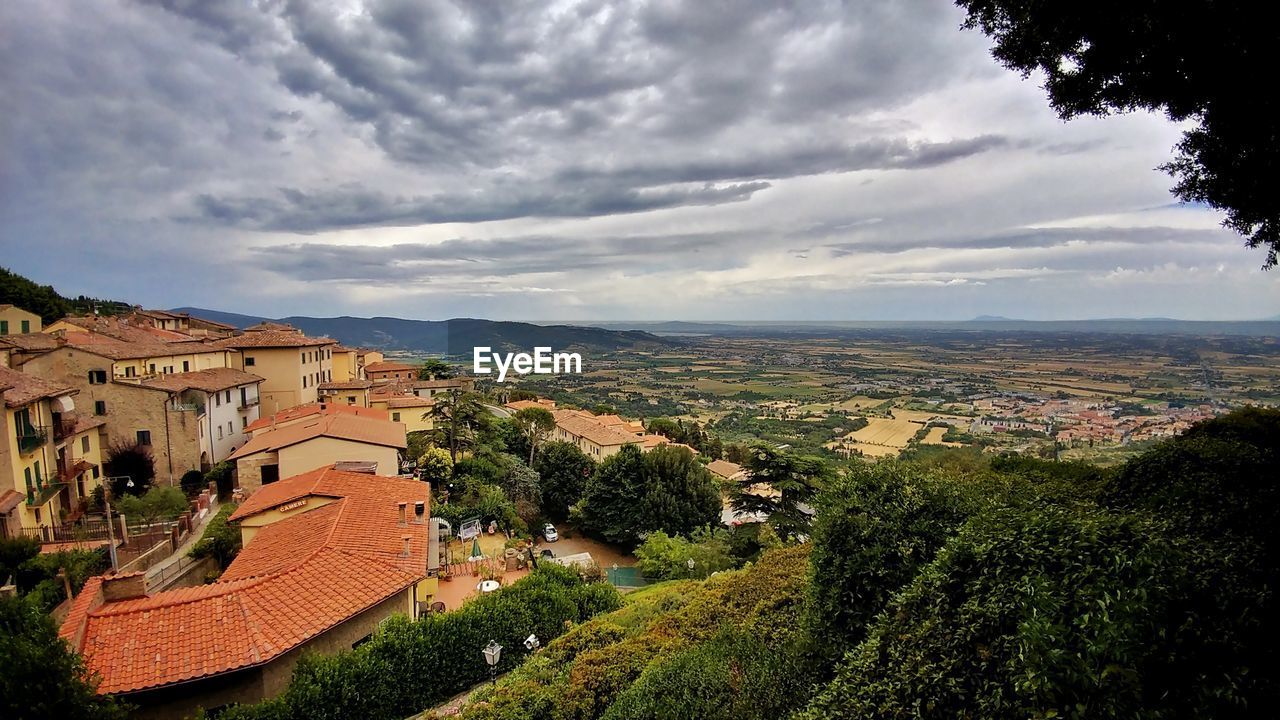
(549, 532)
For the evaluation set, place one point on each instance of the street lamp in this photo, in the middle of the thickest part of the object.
(106, 501)
(493, 654)
(690, 563)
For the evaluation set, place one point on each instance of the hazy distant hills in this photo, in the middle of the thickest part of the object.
(985, 323)
(452, 337)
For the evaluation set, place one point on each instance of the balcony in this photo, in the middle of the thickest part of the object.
(42, 491)
(63, 428)
(31, 438)
(250, 402)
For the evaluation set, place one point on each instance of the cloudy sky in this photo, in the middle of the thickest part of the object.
(581, 161)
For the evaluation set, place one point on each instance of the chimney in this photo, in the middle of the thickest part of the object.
(406, 539)
(403, 506)
(124, 587)
(419, 511)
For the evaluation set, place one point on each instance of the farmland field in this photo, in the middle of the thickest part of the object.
(883, 431)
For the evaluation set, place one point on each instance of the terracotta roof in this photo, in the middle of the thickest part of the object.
(388, 366)
(9, 500)
(211, 380)
(86, 422)
(272, 338)
(345, 385)
(364, 518)
(298, 412)
(186, 634)
(297, 578)
(124, 331)
(356, 428)
(31, 342)
(114, 349)
(724, 468)
(409, 402)
(587, 427)
(23, 389)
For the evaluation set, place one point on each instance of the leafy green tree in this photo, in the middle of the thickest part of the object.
(129, 463)
(876, 526)
(159, 503)
(793, 480)
(1196, 65)
(459, 417)
(435, 369)
(668, 557)
(563, 470)
(192, 483)
(536, 424)
(633, 494)
(40, 677)
(221, 475)
(435, 466)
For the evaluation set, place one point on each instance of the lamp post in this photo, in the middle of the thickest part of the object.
(492, 655)
(690, 563)
(106, 502)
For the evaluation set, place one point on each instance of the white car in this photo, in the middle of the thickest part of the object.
(549, 532)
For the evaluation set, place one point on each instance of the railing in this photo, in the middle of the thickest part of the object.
(42, 490)
(62, 429)
(31, 438)
(69, 532)
(250, 403)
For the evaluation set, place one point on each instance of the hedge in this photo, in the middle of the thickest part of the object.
(411, 665)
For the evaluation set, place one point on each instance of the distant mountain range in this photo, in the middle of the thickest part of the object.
(984, 323)
(454, 337)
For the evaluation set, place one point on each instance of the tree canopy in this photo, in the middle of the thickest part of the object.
(634, 493)
(1198, 62)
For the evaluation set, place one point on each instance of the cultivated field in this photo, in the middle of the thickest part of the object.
(883, 431)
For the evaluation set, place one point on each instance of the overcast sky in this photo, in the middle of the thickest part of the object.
(581, 161)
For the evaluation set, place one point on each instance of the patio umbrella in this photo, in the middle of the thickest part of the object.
(475, 548)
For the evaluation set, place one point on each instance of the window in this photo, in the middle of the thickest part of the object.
(26, 326)
(351, 399)
(248, 361)
(153, 368)
(38, 516)
(186, 366)
(229, 426)
(168, 369)
(129, 371)
(38, 475)
(270, 474)
(144, 437)
(304, 382)
(99, 407)
(244, 422)
(4, 327)
(26, 472)
(84, 444)
(97, 377)
(97, 472)
(228, 397)
(219, 432)
(217, 399)
(395, 417)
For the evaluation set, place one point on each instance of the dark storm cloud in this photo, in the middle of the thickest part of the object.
(496, 257)
(595, 106)
(302, 212)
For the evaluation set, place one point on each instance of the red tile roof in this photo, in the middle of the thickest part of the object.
(211, 380)
(272, 338)
(356, 428)
(301, 411)
(23, 389)
(388, 366)
(297, 578)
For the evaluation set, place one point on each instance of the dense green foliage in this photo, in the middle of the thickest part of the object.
(1194, 65)
(36, 574)
(435, 466)
(563, 470)
(582, 674)
(410, 665)
(436, 369)
(634, 493)
(44, 301)
(794, 481)
(40, 677)
(221, 539)
(536, 425)
(668, 557)
(160, 503)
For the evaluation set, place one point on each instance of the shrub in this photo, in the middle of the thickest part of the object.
(221, 539)
(159, 503)
(129, 462)
(563, 470)
(385, 677)
(192, 483)
(221, 475)
(1065, 612)
(876, 526)
(632, 494)
(666, 557)
(435, 466)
